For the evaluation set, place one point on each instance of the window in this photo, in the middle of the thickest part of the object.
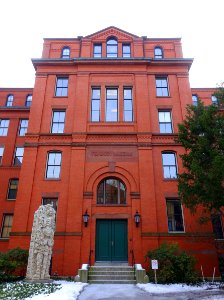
(6, 225)
(158, 53)
(112, 105)
(23, 127)
(61, 87)
(13, 187)
(1, 153)
(58, 121)
(214, 100)
(111, 191)
(97, 50)
(112, 47)
(53, 165)
(217, 226)
(169, 165)
(174, 216)
(162, 87)
(95, 105)
(65, 53)
(126, 50)
(28, 100)
(128, 107)
(195, 100)
(4, 125)
(165, 122)
(52, 201)
(18, 156)
(9, 101)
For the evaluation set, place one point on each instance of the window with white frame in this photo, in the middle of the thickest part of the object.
(112, 48)
(174, 216)
(169, 165)
(158, 53)
(95, 105)
(126, 50)
(9, 101)
(6, 225)
(162, 89)
(111, 105)
(128, 105)
(18, 158)
(195, 100)
(165, 121)
(4, 125)
(28, 101)
(65, 53)
(53, 165)
(61, 87)
(97, 50)
(58, 121)
(23, 127)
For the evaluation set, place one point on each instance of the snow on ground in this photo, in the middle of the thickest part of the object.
(172, 288)
(69, 291)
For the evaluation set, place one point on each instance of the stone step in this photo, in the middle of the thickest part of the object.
(112, 281)
(110, 268)
(111, 272)
(111, 277)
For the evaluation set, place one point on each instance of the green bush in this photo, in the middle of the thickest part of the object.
(175, 265)
(12, 264)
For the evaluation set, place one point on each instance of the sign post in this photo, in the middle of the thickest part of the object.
(154, 264)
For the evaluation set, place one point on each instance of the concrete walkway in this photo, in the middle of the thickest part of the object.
(132, 292)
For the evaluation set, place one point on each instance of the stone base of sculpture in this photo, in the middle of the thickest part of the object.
(42, 241)
(39, 280)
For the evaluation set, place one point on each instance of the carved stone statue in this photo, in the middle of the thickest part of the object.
(42, 241)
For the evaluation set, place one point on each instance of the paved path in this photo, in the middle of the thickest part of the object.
(132, 292)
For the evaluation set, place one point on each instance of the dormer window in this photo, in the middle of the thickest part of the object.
(65, 53)
(9, 100)
(112, 47)
(126, 50)
(158, 53)
(97, 50)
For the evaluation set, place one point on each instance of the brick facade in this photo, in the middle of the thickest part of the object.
(91, 151)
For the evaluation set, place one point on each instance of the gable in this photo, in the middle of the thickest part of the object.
(112, 31)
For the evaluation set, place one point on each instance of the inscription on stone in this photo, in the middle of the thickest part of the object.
(97, 153)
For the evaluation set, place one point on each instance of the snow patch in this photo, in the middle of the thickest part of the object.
(171, 288)
(69, 291)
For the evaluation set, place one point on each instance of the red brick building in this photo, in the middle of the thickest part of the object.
(100, 140)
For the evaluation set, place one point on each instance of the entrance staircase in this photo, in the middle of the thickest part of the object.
(111, 273)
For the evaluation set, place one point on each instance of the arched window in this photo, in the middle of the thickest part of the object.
(65, 52)
(111, 191)
(9, 100)
(158, 52)
(112, 47)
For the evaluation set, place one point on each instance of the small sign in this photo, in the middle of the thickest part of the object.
(154, 264)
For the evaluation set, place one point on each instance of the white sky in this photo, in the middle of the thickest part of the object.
(24, 24)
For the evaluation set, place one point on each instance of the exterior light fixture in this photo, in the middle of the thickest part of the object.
(85, 218)
(137, 218)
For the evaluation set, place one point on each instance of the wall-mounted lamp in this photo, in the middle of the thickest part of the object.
(85, 218)
(137, 218)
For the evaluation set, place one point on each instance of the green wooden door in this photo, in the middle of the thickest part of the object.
(111, 240)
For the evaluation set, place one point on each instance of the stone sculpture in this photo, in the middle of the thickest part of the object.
(42, 241)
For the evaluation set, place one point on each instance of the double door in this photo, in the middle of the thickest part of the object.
(111, 240)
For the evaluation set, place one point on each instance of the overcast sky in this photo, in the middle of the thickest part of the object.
(24, 24)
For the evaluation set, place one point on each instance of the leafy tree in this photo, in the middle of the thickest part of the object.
(175, 265)
(202, 136)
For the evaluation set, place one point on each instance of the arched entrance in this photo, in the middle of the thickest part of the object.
(111, 234)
